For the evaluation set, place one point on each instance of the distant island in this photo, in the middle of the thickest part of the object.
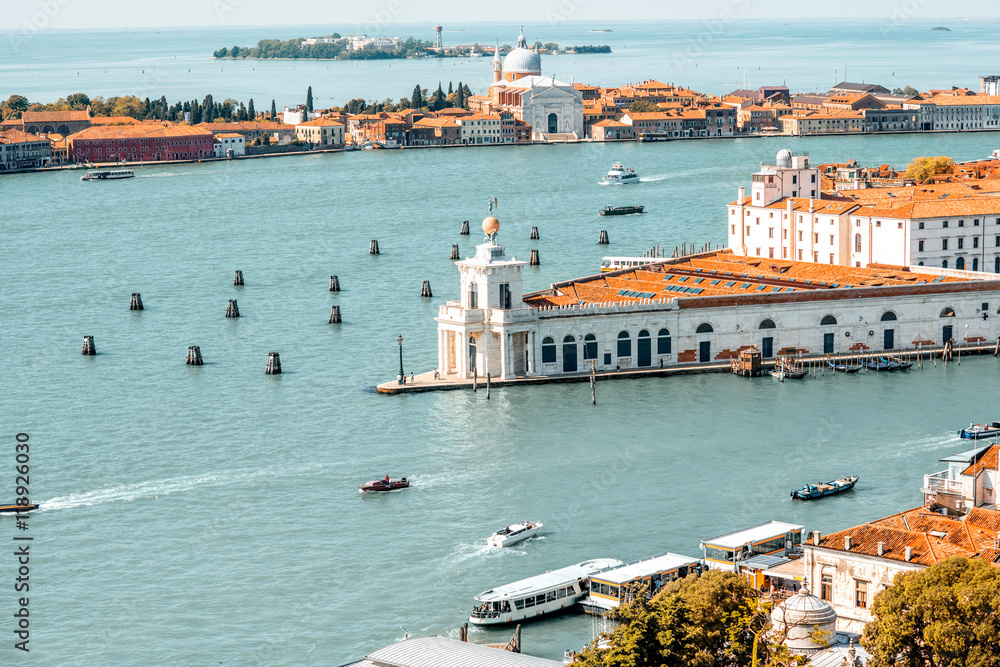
(941, 27)
(336, 47)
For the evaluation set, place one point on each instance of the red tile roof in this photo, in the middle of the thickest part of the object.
(138, 131)
(987, 461)
(54, 116)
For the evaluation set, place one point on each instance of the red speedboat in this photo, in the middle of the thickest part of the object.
(385, 484)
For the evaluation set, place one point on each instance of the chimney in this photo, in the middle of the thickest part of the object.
(881, 548)
(816, 537)
(847, 542)
(908, 555)
(742, 195)
(788, 208)
(812, 205)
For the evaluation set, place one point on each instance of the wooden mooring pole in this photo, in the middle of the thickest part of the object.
(136, 302)
(487, 385)
(89, 349)
(273, 364)
(238, 278)
(593, 382)
(334, 284)
(194, 356)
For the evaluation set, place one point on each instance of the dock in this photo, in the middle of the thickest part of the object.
(814, 365)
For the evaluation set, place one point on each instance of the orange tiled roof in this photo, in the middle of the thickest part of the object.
(18, 137)
(436, 122)
(114, 120)
(54, 116)
(608, 122)
(938, 208)
(322, 122)
(721, 274)
(245, 125)
(480, 116)
(987, 461)
(932, 537)
(229, 135)
(138, 131)
(960, 100)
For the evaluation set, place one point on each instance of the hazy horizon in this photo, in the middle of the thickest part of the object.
(377, 15)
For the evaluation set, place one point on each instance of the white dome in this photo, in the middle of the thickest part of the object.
(784, 158)
(522, 60)
(802, 614)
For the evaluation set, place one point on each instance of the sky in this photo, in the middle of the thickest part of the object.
(34, 15)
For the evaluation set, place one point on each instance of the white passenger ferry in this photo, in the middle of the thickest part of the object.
(620, 175)
(115, 175)
(538, 595)
(610, 588)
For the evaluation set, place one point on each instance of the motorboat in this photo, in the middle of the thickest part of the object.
(18, 508)
(514, 533)
(842, 368)
(813, 491)
(621, 210)
(385, 484)
(537, 596)
(620, 175)
(978, 432)
(115, 175)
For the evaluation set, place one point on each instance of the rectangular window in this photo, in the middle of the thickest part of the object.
(961, 223)
(944, 224)
(770, 253)
(800, 235)
(920, 225)
(975, 223)
(975, 241)
(504, 296)
(770, 232)
(826, 586)
(816, 237)
(860, 594)
(920, 245)
(831, 239)
(961, 243)
(944, 244)
(732, 229)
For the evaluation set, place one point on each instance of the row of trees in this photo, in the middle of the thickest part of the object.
(336, 50)
(947, 615)
(456, 97)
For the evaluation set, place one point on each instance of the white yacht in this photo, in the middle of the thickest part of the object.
(538, 595)
(511, 535)
(116, 175)
(620, 175)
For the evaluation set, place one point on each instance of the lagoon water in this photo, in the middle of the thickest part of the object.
(211, 515)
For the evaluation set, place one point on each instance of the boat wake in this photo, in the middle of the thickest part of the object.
(654, 178)
(154, 489)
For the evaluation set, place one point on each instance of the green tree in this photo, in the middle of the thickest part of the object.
(713, 620)
(14, 107)
(78, 101)
(923, 169)
(550, 46)
(437, 100)
(945, 616)
(251, 113)
(908, 90)
(417, 99)
(309, 99)
(274, 111)
(221, 53)
(642, 106)
(460, 96)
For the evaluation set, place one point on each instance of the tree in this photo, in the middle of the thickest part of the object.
(274, 111)
(923, 169)
(713, 620)
(642, 106)
(945, 616)
(450, 89)
(437, 100)
(14, 107)
(460, 96)
(222, 53)
(251, 113)
(417, 99)
(309, 99)
(908, 90)
(550, 46)
(78, 101)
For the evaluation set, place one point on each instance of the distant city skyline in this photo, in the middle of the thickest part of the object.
(365, 15)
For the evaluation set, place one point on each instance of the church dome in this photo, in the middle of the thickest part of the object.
(522, 60)
(800, 617)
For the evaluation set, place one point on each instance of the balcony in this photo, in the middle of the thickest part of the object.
(938, 482)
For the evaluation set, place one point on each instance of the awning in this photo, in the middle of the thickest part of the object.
(793, 570)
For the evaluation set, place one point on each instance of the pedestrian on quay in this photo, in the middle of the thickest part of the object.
(411, 377)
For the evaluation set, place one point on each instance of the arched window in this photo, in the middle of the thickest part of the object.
(947, 312)
(767, 324)
(888, 316)
(624, 345)
(548, 350)
(829, 319)
(644, 352)
(569, 354)
(705, 327)
(663, 342)
(920, 263)
(589, 347)
(857, 243)
(975, 263)
(944, 264)
(960, 263)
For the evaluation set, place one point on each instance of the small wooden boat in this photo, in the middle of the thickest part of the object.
(18, 508)
(783, 374)
(977, 432)
(621, 210)
(511, 535)
(895, 364)
(842, 368)
(385, 484)
(813, 491)
(878, 365)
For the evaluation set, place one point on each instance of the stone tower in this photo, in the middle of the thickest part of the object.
(497, 65)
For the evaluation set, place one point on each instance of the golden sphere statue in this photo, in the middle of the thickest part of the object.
(491, 225)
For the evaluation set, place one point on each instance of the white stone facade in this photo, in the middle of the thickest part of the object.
(230, 141)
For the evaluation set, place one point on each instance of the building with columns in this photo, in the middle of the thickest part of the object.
(699, 309)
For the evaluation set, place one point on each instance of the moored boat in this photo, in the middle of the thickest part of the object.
(620, 175)
(978, 432)
(385, 484)
(895, 364)
(618, 585)
(513, 534)
(115, 175)
(620, 210)
(842, 368)
(878, 365)
(813, 491)
(539, 595)
(18, 508)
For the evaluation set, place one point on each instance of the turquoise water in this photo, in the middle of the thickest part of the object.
(211, 515)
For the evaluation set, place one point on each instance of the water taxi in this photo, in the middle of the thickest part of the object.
(539, 595)
(620, 210)
(385, 484)
(616, 586)
(115, 175)
(18, 508)
(620, 175)
(617, 263)
(513, 534)
(977, 432)
(813, 491)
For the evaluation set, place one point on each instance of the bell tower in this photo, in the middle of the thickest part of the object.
(497, 65)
